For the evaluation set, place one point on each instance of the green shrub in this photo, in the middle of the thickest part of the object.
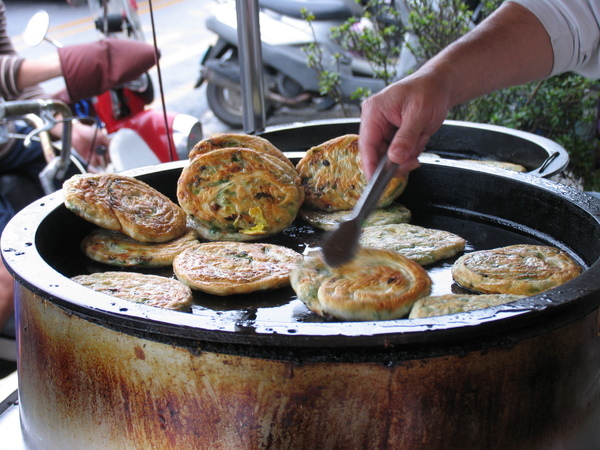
(562, 108)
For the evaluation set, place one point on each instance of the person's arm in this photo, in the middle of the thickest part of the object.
(19, 77)
(511, 47)
(32, 72)
(19, 80)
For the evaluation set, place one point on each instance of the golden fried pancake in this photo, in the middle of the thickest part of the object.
(228, 140)
(225, 268)
(440, 305)
(114, 248)
(374, 285)
(238, 194)
(517, 269)
(422, 245)
(394, 213)
(126, 204)
(333, 179)
(151, 290)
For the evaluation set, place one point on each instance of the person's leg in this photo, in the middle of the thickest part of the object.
(7, 306)
(6, 280)
(27, 161)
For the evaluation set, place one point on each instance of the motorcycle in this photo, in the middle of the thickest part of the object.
(117, 18)
(112, 95)
(20, 189)
(288, 79)
(139, 136)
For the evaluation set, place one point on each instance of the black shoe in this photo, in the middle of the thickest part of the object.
(8, 331)
(8, 349)
(6, 368)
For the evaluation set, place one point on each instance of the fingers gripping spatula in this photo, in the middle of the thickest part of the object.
(341, 244)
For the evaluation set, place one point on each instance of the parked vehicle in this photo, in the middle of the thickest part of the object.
(288, 79)
(20, 189)
(117, 18)
(140, 135)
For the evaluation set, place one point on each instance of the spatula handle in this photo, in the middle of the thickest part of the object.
(372, 193)
(341, 244)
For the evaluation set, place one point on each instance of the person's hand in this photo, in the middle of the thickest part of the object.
(401, 118)
(7, 307)
(88, 140)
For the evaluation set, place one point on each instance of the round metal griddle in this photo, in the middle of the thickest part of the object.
(488, 207)
(455, 140)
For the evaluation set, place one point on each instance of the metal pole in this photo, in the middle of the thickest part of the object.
(249, 43)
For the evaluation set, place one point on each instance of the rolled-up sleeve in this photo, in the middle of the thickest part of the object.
(10, 64)
(9, 70)
(574, 30)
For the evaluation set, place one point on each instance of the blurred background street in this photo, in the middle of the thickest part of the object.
(181, 37)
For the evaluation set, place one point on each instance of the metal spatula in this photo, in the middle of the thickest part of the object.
(341, 244)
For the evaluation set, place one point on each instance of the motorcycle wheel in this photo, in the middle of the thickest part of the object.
(227, 105)
(147, 95)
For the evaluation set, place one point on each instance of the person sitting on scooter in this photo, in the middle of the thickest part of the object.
(19, 80)
(523, 41)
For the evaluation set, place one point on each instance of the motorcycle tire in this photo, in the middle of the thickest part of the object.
(147, 95)
(227, 105)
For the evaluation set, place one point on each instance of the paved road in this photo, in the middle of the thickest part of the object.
(181, 37)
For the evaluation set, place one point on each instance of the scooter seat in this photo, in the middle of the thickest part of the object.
(321, 9)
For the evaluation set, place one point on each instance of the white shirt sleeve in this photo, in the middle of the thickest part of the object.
(574, 29)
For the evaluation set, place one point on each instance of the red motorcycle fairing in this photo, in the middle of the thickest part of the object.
(150, 125)
(115, 106)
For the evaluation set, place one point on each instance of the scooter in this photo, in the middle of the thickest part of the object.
(61, 161)
(18, 188)
(288, 79)
(117, 18)
(139, 136)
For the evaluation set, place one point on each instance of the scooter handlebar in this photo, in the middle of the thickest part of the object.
(45, 109)
(21, 108)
